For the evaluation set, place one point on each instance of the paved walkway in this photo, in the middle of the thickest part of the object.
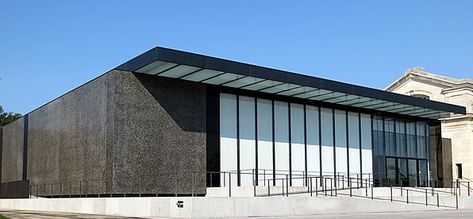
(441, 214)
(55, 215)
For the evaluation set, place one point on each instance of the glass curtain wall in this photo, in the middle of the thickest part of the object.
(400, 152)
(265, 140)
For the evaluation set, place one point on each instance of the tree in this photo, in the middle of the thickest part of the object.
(7, 117)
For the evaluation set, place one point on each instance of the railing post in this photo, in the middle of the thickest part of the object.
(357, 185)
(193, 182)
(456, 201)
(80, 188)
(459, 187)
(229, 184)
(468, 188)
(325, 186)
(316, 187)
(372, 191)
(310, 178)
(407, 196)
(269, 189)
(349, 182)
(391, 192)
(264, 177)
(331, 187)
(438, 203)
(287, 185)
(426, 197)
(366, 188)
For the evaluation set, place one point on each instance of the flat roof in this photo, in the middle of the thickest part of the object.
(198, 68)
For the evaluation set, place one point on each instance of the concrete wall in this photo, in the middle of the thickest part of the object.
(12, 151)
(223, 207)
(159, 128)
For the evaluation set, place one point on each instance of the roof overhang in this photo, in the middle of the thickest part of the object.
(171, 63)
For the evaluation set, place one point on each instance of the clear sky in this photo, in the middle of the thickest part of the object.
(50, 47)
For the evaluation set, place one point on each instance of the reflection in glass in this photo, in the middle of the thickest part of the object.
(412, 168)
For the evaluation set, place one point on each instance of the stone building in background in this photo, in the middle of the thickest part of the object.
(459, 128)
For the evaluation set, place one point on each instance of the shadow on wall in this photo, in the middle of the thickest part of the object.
(184, 101)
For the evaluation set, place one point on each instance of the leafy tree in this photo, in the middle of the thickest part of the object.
(7, 117)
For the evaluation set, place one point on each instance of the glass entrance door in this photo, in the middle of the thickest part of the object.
(406, 172)
(412, 172)
(403, 175)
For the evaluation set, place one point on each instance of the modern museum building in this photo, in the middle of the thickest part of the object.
(169, 119)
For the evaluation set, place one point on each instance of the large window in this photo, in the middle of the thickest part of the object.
(273, 138)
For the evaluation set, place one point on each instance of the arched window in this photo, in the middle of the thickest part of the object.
(422, 96)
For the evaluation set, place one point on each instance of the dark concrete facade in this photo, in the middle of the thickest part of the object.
(119, 133)
(12, 151)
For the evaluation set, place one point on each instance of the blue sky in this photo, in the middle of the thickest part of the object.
(50, 47)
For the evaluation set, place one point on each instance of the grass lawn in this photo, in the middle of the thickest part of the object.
(3, 217)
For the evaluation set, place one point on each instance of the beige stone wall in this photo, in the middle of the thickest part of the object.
(459, 128)
(461, 133)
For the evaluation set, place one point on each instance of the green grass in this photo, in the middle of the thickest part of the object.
(3, 217)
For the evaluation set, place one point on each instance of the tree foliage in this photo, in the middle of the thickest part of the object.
(7, 117)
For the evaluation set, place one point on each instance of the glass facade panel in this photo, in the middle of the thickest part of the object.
(327, 141)
(304, 140)
(366, 145)
(354, 142)
(400, 151)
(423, 174)
(411, 139)
(391, 171)
(389, 137)
(341, 142)
(378, 150)
(401, 144)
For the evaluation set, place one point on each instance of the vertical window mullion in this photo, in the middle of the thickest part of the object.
(334, 142)
(238, 139)
(274, 142)
(360, 142)
(290, 141)
(348, 143)
(305, 145)
(320, 142)
(256, 142)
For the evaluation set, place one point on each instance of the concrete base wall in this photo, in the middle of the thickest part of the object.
(227, 207)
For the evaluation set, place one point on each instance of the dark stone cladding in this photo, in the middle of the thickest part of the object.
(1, 144)
(12, 151)
(119, 133)
(68, 141)
(159, 128)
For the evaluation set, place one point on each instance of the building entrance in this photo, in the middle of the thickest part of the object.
(406, 172)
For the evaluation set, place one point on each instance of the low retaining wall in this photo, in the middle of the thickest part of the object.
(203, 207)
